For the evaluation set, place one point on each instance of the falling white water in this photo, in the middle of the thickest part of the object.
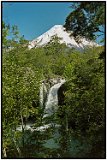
(52, 99)
(50, 106)
(32, 129)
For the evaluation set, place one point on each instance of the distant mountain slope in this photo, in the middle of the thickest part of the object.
(64, 37)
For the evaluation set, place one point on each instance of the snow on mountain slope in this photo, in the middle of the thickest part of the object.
(64, 37)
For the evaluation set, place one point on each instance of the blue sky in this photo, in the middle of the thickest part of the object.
(35, 18)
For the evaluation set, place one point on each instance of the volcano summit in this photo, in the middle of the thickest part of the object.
(64, 37)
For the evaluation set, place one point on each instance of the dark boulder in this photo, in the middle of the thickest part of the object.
(61, 96)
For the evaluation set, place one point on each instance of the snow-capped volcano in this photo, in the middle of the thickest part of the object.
(64, 37)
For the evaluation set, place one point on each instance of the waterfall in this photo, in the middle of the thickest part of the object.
(50, 104)
(52, 99)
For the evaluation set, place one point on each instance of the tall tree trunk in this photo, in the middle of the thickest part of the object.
(17, 147)
(66, 119)
(4, 153)
(22, 130)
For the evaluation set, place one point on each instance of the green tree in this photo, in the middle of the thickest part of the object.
(86, 19)
(5, 32)
(85, 98)
(15, 40)
(20, 87)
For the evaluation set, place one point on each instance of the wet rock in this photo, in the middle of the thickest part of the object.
(61, 96)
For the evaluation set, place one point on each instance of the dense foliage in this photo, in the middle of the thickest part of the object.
(83, 109)
(86, 19)
(84, 98)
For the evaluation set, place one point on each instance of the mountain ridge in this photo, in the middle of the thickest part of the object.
(64, 37)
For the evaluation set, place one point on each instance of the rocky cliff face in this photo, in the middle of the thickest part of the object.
(61, 96)
(61, 91)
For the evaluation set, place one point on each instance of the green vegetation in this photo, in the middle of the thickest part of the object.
(86, 19)
(81, 114)
(84, 110)
(22, 72)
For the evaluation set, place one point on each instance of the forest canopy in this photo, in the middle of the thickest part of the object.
(87, 19)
